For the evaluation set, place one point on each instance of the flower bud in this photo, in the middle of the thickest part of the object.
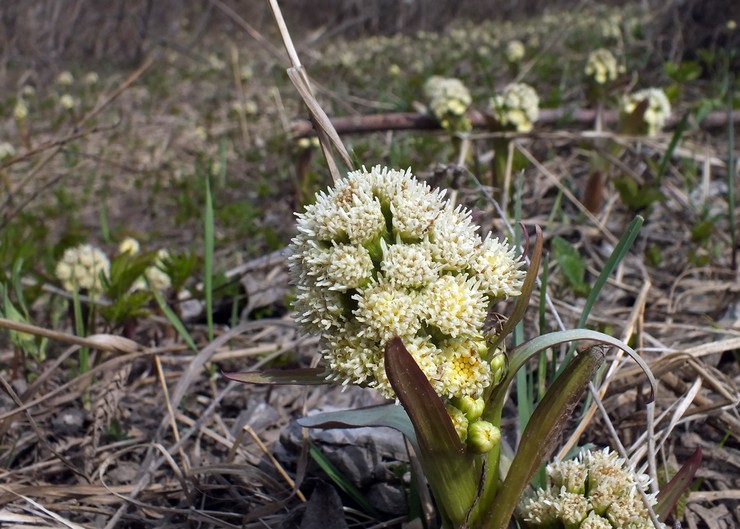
(459, 421)
(483, 436)
(472, 408)
(498, 367)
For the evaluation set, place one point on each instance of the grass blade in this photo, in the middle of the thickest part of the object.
(175, 321)
(208, 257)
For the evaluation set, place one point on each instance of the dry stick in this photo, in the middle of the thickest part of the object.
(549, 116)
(274, 462)
(240, 90)
(102, 342)
(323, 125)
(170, 411)
(256, 35)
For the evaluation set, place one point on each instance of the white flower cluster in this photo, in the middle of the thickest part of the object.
(6, 150)
(81, 268)
(595, 491)
(656, 113)
(517, 108)
(448, 100)
(154, 275)
(515, 51)
(382, 255)
(601, 66)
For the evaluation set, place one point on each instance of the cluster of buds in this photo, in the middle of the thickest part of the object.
(448, 100)
(597, 490)
(655, 108)
(383, 255)
(81, 268)
(601, 66)
(515, 51)
(6, 150)
(154, 276)
(517, 108)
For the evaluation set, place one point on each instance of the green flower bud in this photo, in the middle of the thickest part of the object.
(498, 368)
(483, 436)
(459, 421)
(472, 408)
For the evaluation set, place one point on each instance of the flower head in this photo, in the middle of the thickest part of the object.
(20, 111)
(129, 245)
(597, 490)
(155, 275)
(383, 255)
(6, 150)
(65, 78)
(448, 99)
(81, 268)
(601, 66)
(517, 107)
(515, 51)
(657, 108)
(67, 102)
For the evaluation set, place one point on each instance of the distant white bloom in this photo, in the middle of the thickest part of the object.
(517, 107)
(6, 150)
(81, 267)
(657, 111)
(28, 91)
(155, 275)
(91, 78)
(65, 78)
(597, 490)
(20, 111)
(448, 100)
(382, 255)
(129, 245)
(601, 66)
(394, 70)
(67, 102)
(515, 51)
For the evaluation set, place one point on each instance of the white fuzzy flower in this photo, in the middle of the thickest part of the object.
(515, 51)
(81, 267)
(155, 275)
(20, 111)
(453, 240)
(597, 490)
(657, 110)
(409, 265)
(91, 78)
(6, 150)
(65, 78)
(381, 255)
(129, 245)
(601, 66)
(448, 100)
(67, 102)
(517, 107)
(455, 305)
(498, 269)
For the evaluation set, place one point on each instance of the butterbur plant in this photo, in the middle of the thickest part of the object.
(399, 285)
(448, 100)
(515, 109)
